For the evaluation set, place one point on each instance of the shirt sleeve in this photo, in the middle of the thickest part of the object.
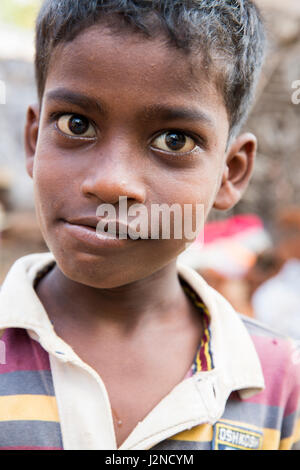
(290, 430)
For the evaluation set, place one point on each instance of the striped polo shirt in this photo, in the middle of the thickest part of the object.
(242, 391)
(28, 410)
(269, 420)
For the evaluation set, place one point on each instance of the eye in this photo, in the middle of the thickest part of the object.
(174, 141)
(76, 125)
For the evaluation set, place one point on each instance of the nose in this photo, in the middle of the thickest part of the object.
(113, 175)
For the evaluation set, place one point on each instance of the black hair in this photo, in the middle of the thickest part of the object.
(229, 34)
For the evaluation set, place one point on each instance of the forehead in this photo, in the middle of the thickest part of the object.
(129, 68)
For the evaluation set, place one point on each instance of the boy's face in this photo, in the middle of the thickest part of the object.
(124, 116)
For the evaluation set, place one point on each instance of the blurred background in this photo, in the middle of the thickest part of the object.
(251, 254)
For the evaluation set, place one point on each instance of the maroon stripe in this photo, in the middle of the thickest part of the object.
(31, 448)
(202, 355)
(205, 340)
(281, 373)
(22, 352)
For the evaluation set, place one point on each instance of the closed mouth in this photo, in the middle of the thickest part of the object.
(111, 228)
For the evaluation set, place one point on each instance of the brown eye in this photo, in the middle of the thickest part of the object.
(76, 125)
(174, 141)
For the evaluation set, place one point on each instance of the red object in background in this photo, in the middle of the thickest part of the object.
(229, 247)
(236, 225)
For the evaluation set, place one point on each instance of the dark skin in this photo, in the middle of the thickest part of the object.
(124, 311)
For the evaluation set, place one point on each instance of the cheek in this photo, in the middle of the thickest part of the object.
(193, 194)
(52, 185)
(199, 186)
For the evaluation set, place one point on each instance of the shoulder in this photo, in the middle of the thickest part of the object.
(280, 360)
(280, 400)
(257, 328)
(272, 346)
(269, 338)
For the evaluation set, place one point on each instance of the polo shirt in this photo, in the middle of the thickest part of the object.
(245, 395)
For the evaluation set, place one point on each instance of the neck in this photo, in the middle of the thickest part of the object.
(158, 298)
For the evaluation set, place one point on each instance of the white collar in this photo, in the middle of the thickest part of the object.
(234, 355)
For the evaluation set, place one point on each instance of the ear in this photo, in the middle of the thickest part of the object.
(238, 169)
(31, 136)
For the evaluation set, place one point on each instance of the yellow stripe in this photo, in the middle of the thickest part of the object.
(204, 307)
(198, 362)
(202, 433)
(189, 291)
(206, 350)
(271, 439)
(28, 407)
(197, 302)
(192, 294)
(297, 431)
(286, 443)
(2, 333)
(200, 304)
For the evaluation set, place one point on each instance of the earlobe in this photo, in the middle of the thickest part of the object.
(238, 169)
(31, 136)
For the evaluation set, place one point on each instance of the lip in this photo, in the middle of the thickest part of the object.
(85, 231)
(119, 227)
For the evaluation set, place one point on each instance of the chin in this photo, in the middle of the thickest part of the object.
(95, 271)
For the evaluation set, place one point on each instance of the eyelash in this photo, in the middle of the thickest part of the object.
(54, 117)
(200, 142)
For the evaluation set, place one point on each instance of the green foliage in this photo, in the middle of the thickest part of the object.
(20, 13)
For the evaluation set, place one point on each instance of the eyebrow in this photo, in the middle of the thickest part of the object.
(153, 112)
(148, 114)
(75, 98)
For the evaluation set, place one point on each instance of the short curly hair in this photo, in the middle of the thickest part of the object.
(230, 35)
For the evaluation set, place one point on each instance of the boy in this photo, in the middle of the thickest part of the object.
(110, 343)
